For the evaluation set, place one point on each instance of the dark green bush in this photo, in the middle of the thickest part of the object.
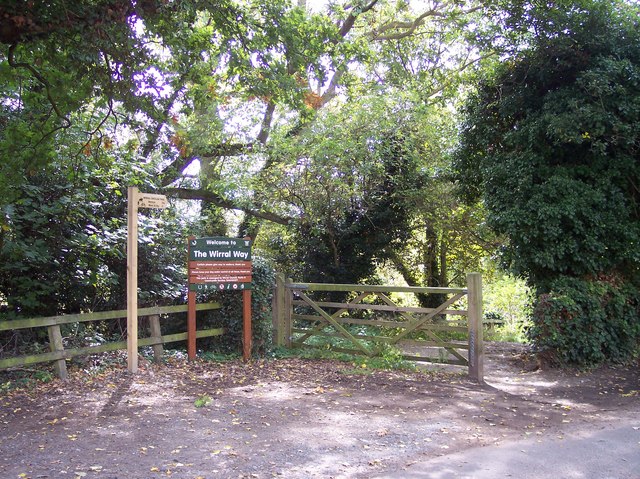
(550, 146)
(586, 322)
(229, 316)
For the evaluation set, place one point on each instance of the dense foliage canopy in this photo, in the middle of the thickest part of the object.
(552, 145)
(319, 131)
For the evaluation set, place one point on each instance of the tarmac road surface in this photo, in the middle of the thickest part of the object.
(605, 453)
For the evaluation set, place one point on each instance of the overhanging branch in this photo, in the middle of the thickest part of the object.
(27, 66)
(397, 30)
(191, 194)
(175, 169)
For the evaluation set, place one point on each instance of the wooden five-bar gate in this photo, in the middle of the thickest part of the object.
(300, 320)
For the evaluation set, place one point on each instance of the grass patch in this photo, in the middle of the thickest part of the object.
(24, 379)
(390, 358)
(202, 401)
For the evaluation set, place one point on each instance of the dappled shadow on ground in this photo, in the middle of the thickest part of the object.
(292, 418)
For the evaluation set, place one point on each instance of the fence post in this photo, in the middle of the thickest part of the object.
(288, 310)
(55, 344)
(474, 320)
(278, 311)
(156, 333)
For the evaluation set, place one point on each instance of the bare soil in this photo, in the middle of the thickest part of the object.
(294, 418)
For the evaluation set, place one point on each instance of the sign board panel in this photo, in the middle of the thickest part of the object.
(219, 263)
(220, 249)
(223, 264)
(149, 200)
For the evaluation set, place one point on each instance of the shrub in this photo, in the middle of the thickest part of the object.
(229, 316)
(587, 321)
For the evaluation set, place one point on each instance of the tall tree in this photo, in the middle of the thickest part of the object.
(551, 144)
(160, 87)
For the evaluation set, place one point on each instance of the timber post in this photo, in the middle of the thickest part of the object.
(132, 279)
(156, 334)
(288, 311)
(55, 344)
(474, 320)
(278, 311)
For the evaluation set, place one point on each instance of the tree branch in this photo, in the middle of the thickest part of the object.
(41, 79)
(214, 198)
(351, 19)
(409, 27)
(265, 128)
(21, 22)
(174, 170)
(153, 138)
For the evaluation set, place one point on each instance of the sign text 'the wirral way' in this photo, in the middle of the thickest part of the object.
(219, 263)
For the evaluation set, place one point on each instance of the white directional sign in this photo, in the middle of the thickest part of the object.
(149, 200)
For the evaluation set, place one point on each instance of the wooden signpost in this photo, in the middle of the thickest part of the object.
(135, 200)
(221, 264)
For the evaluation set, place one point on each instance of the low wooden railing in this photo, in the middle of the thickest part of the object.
(58, 354)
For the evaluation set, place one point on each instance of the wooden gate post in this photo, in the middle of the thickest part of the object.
(55, 344)
(474, 320)
(278, 311)
(156, 334)
(288, 311)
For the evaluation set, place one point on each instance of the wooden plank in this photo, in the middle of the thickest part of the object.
(288, 310)
(55, 344)
(203, 333)
(373, 288)
(278, 311)
(324, 334)
(382, 307)
(98, 316)
(416, 323)
(384, 324)
(427, 359)
(113, 346)
(335, 315)
(385, 339)
(191, 325)
(156, 332)
(132, 279)
(246, 325)
(355, 352)
(476, 344)
(423, 342)
(333, 322)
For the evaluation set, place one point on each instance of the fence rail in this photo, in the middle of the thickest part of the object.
(58, 354)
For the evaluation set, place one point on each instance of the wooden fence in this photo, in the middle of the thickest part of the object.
(299, 318)
(58, 354)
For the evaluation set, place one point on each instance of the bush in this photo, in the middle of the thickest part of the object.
(587, 322)
(229, 316)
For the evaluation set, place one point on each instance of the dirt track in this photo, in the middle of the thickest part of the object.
(292, 418)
